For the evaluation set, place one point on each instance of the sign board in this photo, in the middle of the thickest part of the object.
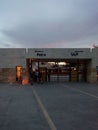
(59, 53)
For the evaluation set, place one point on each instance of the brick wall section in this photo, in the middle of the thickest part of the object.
(92, 76)
(12, 57)
(7, 75)
(89, 75)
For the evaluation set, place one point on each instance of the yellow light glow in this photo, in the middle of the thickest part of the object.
(24, 81)
(19, 69)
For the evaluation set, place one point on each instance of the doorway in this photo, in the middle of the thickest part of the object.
(62, 70)
(19, 73)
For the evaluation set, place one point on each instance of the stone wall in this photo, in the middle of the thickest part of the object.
(7, 75)
(95, 57)
(12, 57)
(88, 76)
(92, 78)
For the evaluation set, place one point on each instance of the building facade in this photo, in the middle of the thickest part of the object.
(80, 64)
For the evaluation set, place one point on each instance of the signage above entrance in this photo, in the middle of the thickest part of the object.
(59, 53)
(76, 53)
(40, 53)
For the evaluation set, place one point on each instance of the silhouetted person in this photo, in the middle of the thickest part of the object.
(49, 75)
(40, 77)
(31, 77)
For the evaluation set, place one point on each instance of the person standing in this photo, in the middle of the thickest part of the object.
(48, 75)
(40, 77)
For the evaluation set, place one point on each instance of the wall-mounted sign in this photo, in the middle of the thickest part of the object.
(40, 53)
(75, 53)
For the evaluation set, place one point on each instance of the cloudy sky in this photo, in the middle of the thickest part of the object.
(48, 23)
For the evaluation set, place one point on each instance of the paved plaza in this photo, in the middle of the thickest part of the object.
(49, 106)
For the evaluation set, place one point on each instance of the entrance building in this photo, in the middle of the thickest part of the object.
(55, 64)
(60, 64)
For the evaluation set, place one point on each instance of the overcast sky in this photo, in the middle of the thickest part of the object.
(48, 23)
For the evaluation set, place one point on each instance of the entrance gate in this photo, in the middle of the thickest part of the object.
(59, 70)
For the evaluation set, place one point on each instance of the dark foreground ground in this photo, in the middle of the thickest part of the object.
(49, 106)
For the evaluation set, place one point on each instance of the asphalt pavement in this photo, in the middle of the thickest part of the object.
(49, 106)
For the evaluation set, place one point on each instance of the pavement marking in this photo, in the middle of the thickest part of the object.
(47, 117)
(86, 93)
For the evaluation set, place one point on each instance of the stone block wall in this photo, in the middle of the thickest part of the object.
(95, 57)
(7, 75)
(92, 78)
(88, 75)
(9, 58)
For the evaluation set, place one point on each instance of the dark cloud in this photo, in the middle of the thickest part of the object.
(39, 34)
(54, 22)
